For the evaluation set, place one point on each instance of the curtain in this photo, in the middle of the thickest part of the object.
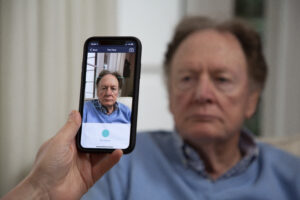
(41, 44)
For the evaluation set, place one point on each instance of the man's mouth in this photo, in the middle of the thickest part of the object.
(203, 117)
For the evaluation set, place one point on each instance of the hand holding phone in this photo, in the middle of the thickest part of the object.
(109, 94)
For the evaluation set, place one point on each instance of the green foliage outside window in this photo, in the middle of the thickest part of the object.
(253, 12)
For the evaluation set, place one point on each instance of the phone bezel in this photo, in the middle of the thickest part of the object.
(134, 110)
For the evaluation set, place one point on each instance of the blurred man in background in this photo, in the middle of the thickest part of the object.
(215, 73)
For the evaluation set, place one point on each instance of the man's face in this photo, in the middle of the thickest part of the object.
(107, 90)
(209, 87)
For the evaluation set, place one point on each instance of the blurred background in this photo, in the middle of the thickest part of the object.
(41, 46)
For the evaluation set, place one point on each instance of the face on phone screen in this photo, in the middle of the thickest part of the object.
(109, 93)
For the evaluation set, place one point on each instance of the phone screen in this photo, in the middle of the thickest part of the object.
(109, 94)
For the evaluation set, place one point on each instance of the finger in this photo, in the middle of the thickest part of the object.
(105, 163)
(69, 130)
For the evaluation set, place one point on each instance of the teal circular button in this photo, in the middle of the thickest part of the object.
(105, 133)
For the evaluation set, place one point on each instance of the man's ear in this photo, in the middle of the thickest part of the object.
(252, 103)
(170, 102)
(97, 92)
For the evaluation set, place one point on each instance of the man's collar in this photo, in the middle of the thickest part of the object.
(102, 108)
(190, 157)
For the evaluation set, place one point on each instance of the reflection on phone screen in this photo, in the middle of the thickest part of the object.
(108, 95)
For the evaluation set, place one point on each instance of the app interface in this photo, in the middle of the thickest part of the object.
(108, 94)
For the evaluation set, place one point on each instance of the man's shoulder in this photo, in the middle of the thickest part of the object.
(155, 133)
(277, 158)
(89, 102)
(279, 167)
(123, 106)
(151, 143)
(158, 136)
(268, 149)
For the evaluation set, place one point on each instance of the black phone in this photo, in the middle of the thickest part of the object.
(109, 94)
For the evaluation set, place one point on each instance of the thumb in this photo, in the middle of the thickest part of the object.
(69, 130)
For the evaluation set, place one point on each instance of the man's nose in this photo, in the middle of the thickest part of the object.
(204, 91)
(109, 91)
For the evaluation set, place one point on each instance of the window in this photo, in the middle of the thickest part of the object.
(90, 76)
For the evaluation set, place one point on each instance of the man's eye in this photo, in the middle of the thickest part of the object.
(186, 81)
(186, 78)
(222, 79)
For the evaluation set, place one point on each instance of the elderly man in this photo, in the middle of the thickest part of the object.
(215, 73)
(106, 109)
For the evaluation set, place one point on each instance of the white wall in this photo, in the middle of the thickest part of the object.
(153, 23)
(281, 110)
(213, 8)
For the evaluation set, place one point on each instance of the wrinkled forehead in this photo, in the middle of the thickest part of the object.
(108, 80)
(209, 48)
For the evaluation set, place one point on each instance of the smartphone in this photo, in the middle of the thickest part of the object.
(109, 94)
